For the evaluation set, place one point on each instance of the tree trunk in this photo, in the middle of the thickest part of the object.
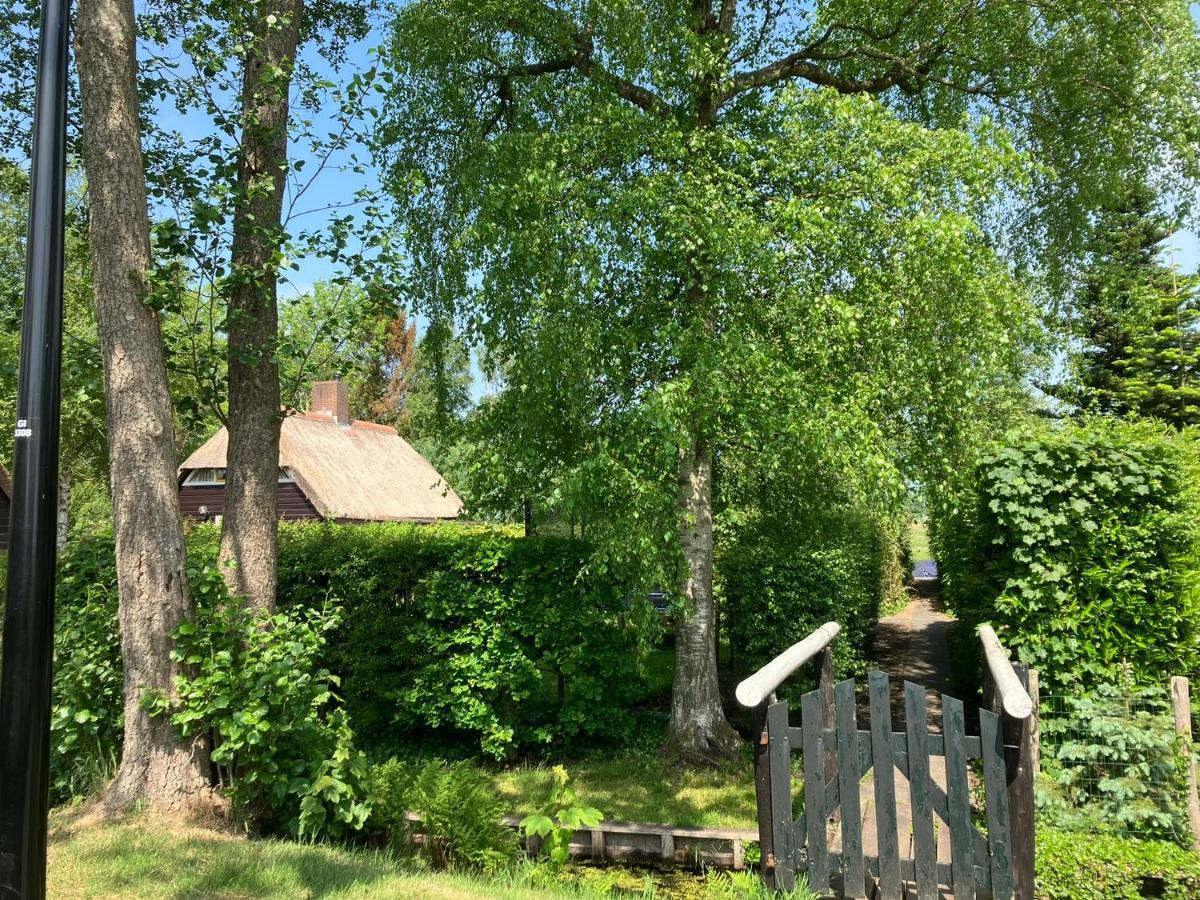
(156, 771)
(64, 508)
(698, 730)
(250, 529)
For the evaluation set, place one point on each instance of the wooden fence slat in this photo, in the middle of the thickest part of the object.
(854, 875)
(762, 795)
(958, 795)
(890, 886)
(814, 791)
(918, 781)
(996, 788)
(781, 795)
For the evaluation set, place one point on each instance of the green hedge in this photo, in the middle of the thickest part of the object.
(1080, 543)
(1074, 865)
(462, 637)
(782, 579)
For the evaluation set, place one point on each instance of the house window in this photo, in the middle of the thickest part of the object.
(205, 476)
(201, 477)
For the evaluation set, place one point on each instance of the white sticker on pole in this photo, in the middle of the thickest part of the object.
(24, 429)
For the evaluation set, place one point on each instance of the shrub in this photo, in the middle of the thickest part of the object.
(459, 812)
(1111, 761)
(783, 579)
(559, 818)
(1080, 543)
(86, 716)
(468, 635)
(1073, 865)
(280, 743)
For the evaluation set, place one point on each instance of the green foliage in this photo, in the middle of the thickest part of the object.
(280, 742)
(87, 695)
(782, 579)
(1074, 865)
(1080, 543)
(458, 812)
(468, 635)
(559, 818)
(1112, 762)
(1139, 352)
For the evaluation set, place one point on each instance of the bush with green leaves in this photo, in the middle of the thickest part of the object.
(1112, 761)
(469, 636)
(457, 812)
(281, 743)
(783, 578)
(1075, 865)
(559, 818)
(1080, 542)
(86, 706)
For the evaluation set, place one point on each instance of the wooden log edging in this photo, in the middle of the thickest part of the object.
(646, 843)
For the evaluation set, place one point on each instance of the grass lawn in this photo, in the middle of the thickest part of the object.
(918, 541)
(138, 858)
(644, 788)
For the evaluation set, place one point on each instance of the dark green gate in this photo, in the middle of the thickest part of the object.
(884, 842)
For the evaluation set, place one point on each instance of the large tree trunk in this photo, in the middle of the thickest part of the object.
(698, 729)
(156, 771)
(250, 530)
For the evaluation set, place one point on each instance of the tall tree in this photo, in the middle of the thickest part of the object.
(1138, 322)
(249, 530)
(156, 769)
(636, 164)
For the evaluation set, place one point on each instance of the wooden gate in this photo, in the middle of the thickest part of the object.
(985, 852)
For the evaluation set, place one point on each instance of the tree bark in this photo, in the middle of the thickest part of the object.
(698, 730)
(156, 770)
(64, 508)
(250, 528)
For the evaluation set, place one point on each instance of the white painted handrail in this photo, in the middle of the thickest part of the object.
(755, 689)
(1013, 697)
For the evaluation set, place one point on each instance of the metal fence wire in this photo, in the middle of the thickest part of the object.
(1111, 760)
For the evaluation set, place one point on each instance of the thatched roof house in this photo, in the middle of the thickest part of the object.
(5, 506)
(330, 467)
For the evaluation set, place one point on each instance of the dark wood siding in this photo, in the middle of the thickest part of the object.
(4, 505)
(292, 502)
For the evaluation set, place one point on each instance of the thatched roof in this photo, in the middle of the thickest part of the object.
(5, 482)
(363, 472)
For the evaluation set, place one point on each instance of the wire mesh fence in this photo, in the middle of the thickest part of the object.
(1111, 760)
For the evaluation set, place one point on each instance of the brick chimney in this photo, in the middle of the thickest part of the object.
(331, 398)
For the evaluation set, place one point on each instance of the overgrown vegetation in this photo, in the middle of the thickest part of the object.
(784, 576)
(1080, 542)
(1074, 865)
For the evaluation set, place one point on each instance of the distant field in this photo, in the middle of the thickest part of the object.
(918, 540)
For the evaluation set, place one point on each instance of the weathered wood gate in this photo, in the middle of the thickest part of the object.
(991, 858)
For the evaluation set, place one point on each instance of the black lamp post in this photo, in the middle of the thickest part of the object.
(29, 612)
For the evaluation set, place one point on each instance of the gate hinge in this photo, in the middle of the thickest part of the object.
(770, 861)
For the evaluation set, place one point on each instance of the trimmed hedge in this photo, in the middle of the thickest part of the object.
(782, 580)
(468, 638)
(1080, 543)
(1075, 865)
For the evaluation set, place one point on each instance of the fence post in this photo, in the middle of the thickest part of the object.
(1018, 752)
(1182, 705)
(1035, 733)
(762, 795)
(827, 708)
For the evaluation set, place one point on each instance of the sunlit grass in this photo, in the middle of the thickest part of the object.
(918, 541)
(644, 788)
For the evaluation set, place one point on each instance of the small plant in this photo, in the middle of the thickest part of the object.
(456, 810)
(559, 819)
(1113, 763)
(749, 886)
(281, 744)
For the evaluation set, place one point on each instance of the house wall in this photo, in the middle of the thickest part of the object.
(4, 511)
(292, 502)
